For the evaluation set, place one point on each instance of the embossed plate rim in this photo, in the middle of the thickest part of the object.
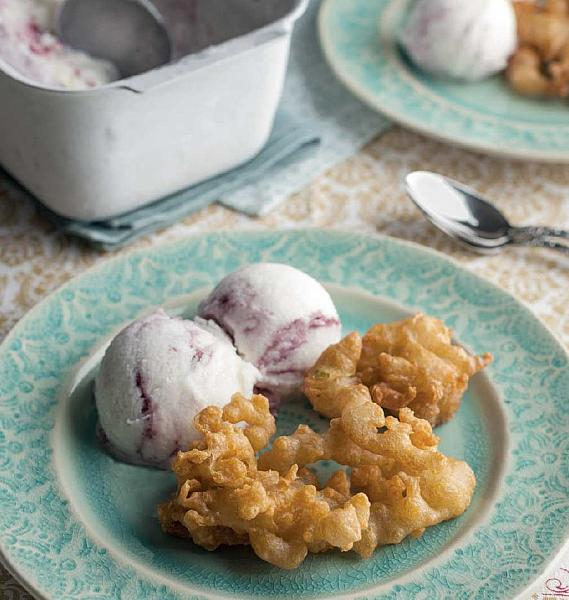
(376, 242)
(390, 108)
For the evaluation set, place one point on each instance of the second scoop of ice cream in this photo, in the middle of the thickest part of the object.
(156, 375)
(280, 320)
(460, 39)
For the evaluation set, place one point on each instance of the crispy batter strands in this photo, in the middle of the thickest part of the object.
(223, 498)
(540, 66)
(410, 484)
(410, 363)
(334, 373)
(402, 483)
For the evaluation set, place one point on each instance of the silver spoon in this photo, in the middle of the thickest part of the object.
(462, 214)
(129, 33)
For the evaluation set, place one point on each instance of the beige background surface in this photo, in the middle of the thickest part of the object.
(363, 194)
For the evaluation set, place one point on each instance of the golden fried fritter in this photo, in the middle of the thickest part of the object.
(333, 373)
(525, 75)
(545, 28)
(410, 484)
(540, 65)
(400, 485)
(223, 498)
(414, 363)
(410, 363)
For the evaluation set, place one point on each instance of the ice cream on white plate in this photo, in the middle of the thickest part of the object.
(460, 39)
(156, 375)
(28, 44)
(279, 318)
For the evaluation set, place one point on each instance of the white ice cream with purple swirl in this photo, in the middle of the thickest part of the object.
(259, 330)
(460, 39)
(28, 45)
(280, 320)
(156, 375)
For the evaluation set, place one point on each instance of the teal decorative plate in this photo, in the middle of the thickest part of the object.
(76, 524)
(359, 40)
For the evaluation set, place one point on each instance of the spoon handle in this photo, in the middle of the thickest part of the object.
(545, 237)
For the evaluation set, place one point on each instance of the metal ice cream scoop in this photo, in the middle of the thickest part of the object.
(464, 215)
(129, 33)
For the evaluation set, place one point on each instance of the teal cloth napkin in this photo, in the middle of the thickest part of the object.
(318, 124)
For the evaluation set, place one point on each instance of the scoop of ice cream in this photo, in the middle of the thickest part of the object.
(28, 45)
(156, 375)
(460, 39)
(280, 319)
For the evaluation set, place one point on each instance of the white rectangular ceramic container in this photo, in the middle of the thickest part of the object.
(93, 154)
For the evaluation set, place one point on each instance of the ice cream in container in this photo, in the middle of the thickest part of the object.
(110, 146)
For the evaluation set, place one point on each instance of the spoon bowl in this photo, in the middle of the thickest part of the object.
(464, 215)
(129, 33)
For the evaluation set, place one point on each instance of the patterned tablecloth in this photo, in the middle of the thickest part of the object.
(363, 194)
